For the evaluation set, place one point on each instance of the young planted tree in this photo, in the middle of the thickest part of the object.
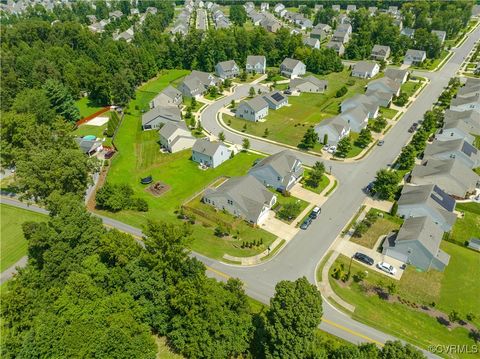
(246, 144)
(309, 140)
(251, 92)
(406, 160)
(343, 147)
(379, 124)
(386, 183)
(266, 133)
(364, 138)
(221, 136)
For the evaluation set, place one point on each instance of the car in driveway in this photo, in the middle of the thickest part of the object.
(306, 223)
(332, 149)
(361, 257)
(388, 268)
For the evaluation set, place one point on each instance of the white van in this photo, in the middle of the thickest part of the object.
(315, 212)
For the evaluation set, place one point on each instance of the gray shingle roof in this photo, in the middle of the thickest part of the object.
(290, 63)
(170, 113)
(207, 147)
(252, 60)
(170, 128)
(282, 162)
(364, 66)
(257, 103)
(428, 193)
(395, 74)
(449, 146)
(457, 101)
(227, 65)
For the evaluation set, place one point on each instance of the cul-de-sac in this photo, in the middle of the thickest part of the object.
(240, 179)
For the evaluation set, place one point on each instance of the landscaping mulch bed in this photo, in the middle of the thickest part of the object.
(158, 188)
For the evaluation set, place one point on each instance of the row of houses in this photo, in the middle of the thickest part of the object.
(220, 20)
(357, 110)
(182, 22)
(247, 196)
(428, 202)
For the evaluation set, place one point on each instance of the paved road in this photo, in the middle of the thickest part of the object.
(201, 19)
(301, 255)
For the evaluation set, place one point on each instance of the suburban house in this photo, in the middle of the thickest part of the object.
(210, 154)
(275, 100)
(442, 35)
(470, 88)
(197, 83)
(384, 84)
(381, 98)
(357, 118)
(169, 96)
(278, 8)
(279, 171)
(292, 68)
(418, 243)
(427, 201)
(351, 8)
(407, 31)
(158, 116)
(393, 10)
(345, 28)
(175, 137)
(457, 129)
(340, 36)
(451, 175)
(365, 69)
(459, 149)
(317, 34)
(334, 129)
(343, 19)
(89, 147)
(466, 103)
(397, 75)
(256, 64)
(324, 27)
(312, 42)
(337, 47)
(264, 6)
(308, 84)
(414, 57)
(471, 118)
(372, 10)
(368, 103)
(227, 69)
(253, 109)
(380, 53)
(243, 197)
(114, 15)
(126, 35)
(336, 8)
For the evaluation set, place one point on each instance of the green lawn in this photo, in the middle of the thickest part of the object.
(188, 101)
(13, 244)
(139, 156)
(382, 226)
(164, 352)
(355, 150)
(431, 64)
(388, 113)
(468, 226)
(84, 130)
(288, 124)
(477, 142)
(399, 319)
(410, 87)
(321, 186)
(283, 200)
(86, 107)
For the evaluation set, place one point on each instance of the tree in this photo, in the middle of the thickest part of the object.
(406, 160)
(341, 92)
(245, 144)
(453, 316)
(364, 138)
(360, 229)
(325, 16)
(238, 14)
(385, 184)
(391, 288)
(266, 133)
(379, 124)
(61, 100)
(419, 140)
(213, 91)
(193, 102)
(325, 139)
(343, 147)
(292, 319)
(36, 102)
(232, 104)
(243, 76)
(309, 140)
(221, 136)
(401, 100)
(251, 92)
(397, 350)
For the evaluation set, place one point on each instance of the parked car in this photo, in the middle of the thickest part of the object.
(287, 92)
(315, 212)
(363, 258)
(332, 149)
(325, 148)
(369, 187)
(387, 268)
(306, 223)
(412, 129)
(380, 143)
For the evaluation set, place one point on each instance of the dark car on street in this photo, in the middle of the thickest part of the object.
(363, 258)
(306, 223)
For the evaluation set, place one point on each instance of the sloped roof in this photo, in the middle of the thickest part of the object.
(380, 49)
(171, 113)
(257, 103)
(450, 146)
(252, 60)
(430, 194)
(415, 53)
(227, 65)
(290, 63)
(282, 162)
(395, 74)
(170, 128)
(207, 147)
(364, 66)
(312, 79)
(457, 101)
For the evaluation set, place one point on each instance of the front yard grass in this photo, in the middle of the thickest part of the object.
(284, 200)
(13, 244)
(289, 123)
(321, 186)
(399, 319)
(139, 156)
(382, 226)
(431, 64)
(388, 113)
(410, 87)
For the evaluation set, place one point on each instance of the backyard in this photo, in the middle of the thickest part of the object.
(86, 107)
(13, 244)
(469, 226)
(139, 156)
(289, 123)
(422, 288)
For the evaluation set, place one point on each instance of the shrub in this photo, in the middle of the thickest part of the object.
(359, 276)
(342, 91)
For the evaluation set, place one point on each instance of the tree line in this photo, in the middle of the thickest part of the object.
(91, 292)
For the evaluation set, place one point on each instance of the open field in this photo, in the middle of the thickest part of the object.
(13, 244)
(289, 124)
(399, 319)
(86, 107)
(139, 156)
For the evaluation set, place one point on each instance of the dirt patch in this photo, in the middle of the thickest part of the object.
(158, 188)
(91, 204)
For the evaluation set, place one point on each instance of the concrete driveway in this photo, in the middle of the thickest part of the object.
(279, 228)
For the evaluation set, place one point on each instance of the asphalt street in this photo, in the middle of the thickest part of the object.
(301, 255)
